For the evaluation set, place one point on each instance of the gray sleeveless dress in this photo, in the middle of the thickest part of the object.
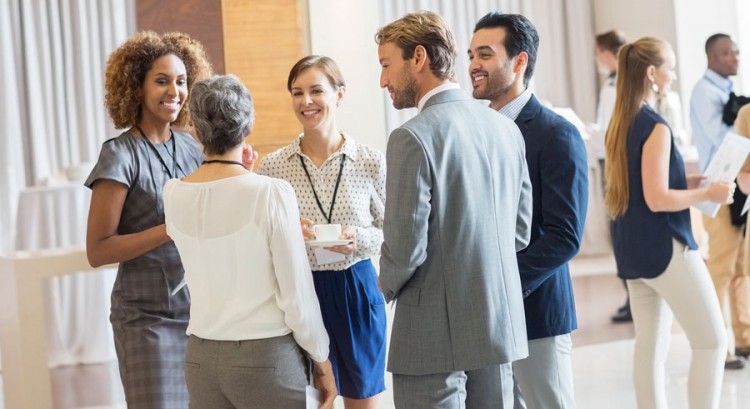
(148, 321)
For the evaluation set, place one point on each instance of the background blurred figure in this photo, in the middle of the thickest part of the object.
(339, 181)
(725, 240)
(147, 83)
(449, 256)
(648, 196)
(607, 46)
(253, 300)
(742, 127)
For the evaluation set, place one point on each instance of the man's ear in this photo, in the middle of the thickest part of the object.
(420, 59)
(522, 60)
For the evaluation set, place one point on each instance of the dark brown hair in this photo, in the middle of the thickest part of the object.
(611, 41)
(325, 64)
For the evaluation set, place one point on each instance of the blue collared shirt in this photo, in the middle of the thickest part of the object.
(707, 102)
(513, 108)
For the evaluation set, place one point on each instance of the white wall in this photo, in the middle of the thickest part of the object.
(345, 31)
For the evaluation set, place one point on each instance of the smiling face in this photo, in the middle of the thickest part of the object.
(491, 70)
(164, 90)
(396, 76)
(664, 74)
(315, 99)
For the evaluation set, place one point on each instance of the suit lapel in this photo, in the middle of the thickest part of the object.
(528, 113)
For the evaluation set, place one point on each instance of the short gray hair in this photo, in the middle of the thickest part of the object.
(222, 112)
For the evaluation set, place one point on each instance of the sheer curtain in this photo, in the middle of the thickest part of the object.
(565, 71)
(52, 114)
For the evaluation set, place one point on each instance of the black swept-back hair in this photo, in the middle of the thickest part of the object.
(520, 35)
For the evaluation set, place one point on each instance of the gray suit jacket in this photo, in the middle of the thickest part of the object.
(459, 207)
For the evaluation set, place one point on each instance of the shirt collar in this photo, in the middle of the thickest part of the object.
(349, 148)
(436, 90)
(513, 108)
(720, 81)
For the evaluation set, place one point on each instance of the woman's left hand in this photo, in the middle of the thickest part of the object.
(249, 156)
(693, 181)
(348, 233)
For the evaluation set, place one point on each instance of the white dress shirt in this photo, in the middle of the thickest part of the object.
(439, 88)
(240, 242)
(360, 198)
(604, 109)
(707, 102)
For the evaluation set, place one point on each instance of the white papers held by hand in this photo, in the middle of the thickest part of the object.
(724, 166)
(313, 400)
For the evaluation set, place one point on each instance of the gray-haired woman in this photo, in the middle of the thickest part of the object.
(253, 300)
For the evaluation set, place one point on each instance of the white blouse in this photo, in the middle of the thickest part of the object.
(240, 242)
(360, 199)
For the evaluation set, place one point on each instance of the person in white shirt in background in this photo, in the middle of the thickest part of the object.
(254, 317)
(605, 54)
(725, 240)
(607, 46)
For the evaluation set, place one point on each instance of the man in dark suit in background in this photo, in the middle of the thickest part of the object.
(458, 210)
(503, 53)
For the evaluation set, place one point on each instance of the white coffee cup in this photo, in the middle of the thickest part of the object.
(327, 231)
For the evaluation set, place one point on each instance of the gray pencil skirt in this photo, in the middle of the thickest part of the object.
(260, 373)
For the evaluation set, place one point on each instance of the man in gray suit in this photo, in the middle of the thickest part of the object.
(459, 207)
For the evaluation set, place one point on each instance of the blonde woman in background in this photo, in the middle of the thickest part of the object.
(648, 196)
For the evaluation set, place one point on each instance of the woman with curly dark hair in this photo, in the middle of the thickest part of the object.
(147, 82)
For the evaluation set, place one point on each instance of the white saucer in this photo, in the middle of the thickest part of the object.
(327, 243)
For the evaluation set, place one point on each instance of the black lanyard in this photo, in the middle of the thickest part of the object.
(172, 174)
(335, 189)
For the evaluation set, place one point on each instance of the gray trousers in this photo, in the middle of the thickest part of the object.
(545, 377)
(263, 373)
(490, 387)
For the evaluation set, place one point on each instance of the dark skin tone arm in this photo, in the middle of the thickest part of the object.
(103, 244)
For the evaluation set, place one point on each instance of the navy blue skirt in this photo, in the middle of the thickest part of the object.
(354, 315)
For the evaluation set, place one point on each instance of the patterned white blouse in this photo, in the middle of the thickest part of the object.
(359, 201)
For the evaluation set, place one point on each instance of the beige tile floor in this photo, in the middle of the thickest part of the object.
(602, 358)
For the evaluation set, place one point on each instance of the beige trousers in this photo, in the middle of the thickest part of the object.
(682, 291)
(726, 265)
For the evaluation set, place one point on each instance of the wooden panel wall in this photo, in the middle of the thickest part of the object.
(262, 41)
(201, 19)
(257, 40)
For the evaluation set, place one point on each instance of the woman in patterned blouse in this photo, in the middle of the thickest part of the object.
(342, 182)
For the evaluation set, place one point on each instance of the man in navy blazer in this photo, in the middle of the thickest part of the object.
(503, 54)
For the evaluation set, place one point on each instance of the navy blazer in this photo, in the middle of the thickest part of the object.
(558, 169)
